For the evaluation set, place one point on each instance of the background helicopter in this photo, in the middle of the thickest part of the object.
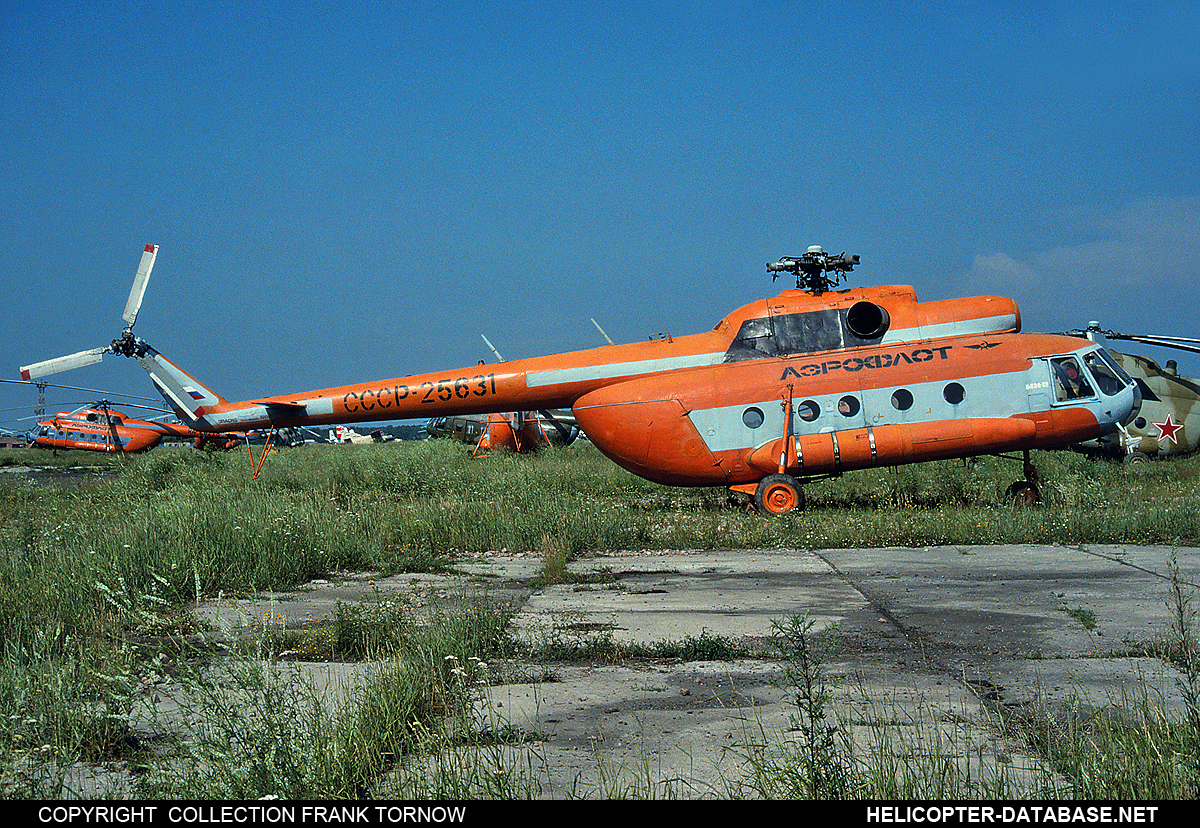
(809, 383)
(100, 428)
(519, 432)
(1168, 423)
(345, 435)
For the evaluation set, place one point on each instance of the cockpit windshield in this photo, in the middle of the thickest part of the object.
(1106, 378)
(1116, 366)
(1076, 376)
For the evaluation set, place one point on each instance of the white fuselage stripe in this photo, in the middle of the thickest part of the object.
(991, 396)
(961, 327)
(620, 369)
(584, 373)
(260, 414)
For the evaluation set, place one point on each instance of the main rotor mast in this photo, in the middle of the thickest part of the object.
(812, 268)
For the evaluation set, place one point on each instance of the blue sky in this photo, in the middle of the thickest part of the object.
(352, 195)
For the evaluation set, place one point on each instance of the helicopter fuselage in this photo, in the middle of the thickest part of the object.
(106, 430)
(805, 383)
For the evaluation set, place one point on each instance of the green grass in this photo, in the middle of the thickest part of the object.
(258, 727)
(40, 458)
(90, 573)
(184, 518)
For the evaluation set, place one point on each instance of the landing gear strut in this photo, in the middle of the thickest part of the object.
(778, 494)
(1026, 491)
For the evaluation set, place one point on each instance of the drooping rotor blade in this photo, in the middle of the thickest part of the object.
(1164, 342)
(1181, 342)
(139, 284)
(77, 388)
(66, 363)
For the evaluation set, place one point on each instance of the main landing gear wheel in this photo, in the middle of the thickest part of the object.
(778, 494)
(1025, 493)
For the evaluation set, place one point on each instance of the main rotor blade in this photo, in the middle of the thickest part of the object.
(1181, 342)
(66, 363)
(77, 388)
(139, 285)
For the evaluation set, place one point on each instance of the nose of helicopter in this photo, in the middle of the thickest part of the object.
(640, 428)
(1136, 408)
(1119, 410)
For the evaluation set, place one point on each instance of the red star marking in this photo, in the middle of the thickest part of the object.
(1168, 430)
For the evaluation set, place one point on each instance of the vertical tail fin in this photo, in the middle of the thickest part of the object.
(188, 397)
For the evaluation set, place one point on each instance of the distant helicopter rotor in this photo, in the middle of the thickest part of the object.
(1182, 343)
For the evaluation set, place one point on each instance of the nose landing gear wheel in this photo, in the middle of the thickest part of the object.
(778, 494)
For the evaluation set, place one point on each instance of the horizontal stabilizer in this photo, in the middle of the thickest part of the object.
(279, 408)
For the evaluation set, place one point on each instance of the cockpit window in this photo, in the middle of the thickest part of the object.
(1070, 383)
(1105, 377)
(1116, 366)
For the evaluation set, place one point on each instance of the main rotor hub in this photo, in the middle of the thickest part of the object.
(816, 270)
(128, 345)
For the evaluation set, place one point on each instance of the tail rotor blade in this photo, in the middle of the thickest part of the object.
(66, 363)
(139, 285)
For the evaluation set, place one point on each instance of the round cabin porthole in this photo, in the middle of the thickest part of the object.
(954, 393)
(752, 417)
(848, 406)
(808, 410)
(902, 399)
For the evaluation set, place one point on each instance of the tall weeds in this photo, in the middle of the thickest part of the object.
(88, 571)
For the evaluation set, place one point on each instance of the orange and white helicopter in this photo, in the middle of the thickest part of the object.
(810, 383)
(100, 428)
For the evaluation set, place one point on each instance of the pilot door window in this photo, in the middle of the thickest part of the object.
(1070, 383)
